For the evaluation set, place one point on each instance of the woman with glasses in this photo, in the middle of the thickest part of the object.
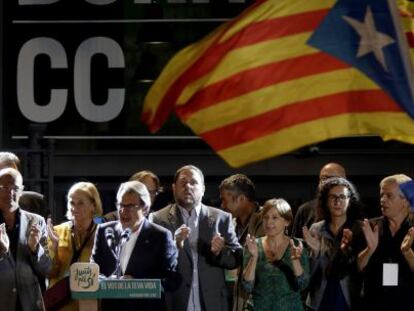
(72, 241)
(334, 283)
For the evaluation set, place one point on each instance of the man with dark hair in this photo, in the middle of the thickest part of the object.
(238, 196)
(306, 214)
(206, 242)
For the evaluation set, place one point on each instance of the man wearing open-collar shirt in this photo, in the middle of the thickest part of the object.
(206, 241)
(145, 250)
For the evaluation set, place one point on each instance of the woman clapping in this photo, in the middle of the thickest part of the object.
(72, 241)
(334, 283)
(275, 266)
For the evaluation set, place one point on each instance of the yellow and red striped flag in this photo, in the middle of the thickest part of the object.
(285, 74)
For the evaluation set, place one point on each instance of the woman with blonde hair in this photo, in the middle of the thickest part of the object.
(276, 267)
(72, 241)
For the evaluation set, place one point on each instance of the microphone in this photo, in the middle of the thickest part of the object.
(109, 236)
(125, 235)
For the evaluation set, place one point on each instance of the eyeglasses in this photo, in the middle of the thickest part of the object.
(335, 198)
(11, 188)
(128, 207)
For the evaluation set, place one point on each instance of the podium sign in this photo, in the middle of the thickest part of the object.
(85, 284)
(118, 289)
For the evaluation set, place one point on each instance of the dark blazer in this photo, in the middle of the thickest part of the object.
(21, 276)
(213, 290)
(153, 257)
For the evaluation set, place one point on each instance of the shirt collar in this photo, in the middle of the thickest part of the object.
(185, 212)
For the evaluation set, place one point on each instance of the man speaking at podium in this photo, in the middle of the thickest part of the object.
(132, 247)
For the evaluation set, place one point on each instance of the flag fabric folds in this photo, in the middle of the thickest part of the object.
(285, 74)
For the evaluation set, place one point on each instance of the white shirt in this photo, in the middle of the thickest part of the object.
(128, 247)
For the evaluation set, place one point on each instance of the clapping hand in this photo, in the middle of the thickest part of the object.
(408, 240)
(312, 241)
(295, 251)
(217, 244)
(346, 239)
(181, 234)
(371, 236)
(252, 246)
(4, 239)
(34, 237)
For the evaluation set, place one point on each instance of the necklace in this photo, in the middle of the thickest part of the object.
(275, 251)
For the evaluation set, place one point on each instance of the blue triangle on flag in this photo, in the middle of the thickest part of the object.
(366, 27)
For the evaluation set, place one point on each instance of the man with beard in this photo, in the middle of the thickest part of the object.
(206, 241)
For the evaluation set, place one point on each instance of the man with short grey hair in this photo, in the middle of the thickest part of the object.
(387, 258)
(144, 250)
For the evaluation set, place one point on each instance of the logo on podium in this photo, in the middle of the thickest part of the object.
(84, 277)
(86, 284)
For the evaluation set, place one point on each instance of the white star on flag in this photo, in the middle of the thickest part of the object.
(371, 40)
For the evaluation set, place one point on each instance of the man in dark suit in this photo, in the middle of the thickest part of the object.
(148, 253)
(206, 241)
(24, 256)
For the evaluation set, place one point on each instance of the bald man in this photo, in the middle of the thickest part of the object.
(30, 201)
(306, 214)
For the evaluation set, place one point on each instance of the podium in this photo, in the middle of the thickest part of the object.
(86, 287)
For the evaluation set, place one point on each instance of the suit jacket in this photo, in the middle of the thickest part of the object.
(213, 290)
(153, 257)
(20, 276)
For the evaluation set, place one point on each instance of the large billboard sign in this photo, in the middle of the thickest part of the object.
(83, 67)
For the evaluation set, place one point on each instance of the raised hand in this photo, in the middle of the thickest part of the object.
(252, 246)
(34, 238)
(312, 241)
(408, 240)
(371, 236)
(346, 239)
(217, 244)
(295, 251)
(4, 240)
(181, 234)
(52, 234)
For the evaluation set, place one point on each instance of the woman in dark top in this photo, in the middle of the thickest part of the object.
(334, 283)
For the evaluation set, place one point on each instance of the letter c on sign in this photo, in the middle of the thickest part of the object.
(25, 80)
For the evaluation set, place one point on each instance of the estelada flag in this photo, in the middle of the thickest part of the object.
(285, 74)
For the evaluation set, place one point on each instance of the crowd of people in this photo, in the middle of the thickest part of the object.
(239, 256)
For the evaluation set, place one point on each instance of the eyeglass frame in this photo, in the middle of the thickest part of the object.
(335, 198)
(128, 207)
